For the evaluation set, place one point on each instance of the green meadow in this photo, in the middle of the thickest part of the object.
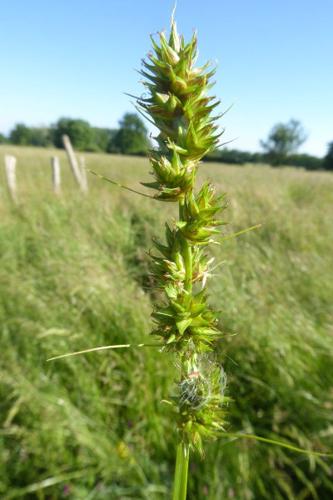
(74, 274)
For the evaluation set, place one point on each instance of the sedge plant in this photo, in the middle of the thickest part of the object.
(179, 105)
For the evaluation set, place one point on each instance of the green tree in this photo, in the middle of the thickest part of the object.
(103, 137)
(20, 135)
(40, 136)
(30, 136)
(79, 131)
(328, 159)
(283, 140)
(131, 138)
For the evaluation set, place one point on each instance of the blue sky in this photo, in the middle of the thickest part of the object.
(78, 57)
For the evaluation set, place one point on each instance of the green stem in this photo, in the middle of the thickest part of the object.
(181, 471)
(187, 253)
(188, 267)
(182, 458)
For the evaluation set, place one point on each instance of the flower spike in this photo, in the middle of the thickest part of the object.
(179, 106)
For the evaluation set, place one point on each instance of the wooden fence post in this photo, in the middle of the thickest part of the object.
(74, 163)
(83, 173)
(56, 178)
(10, 167)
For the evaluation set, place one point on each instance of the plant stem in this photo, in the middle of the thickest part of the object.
(188, 267)
(187, 253)
(182, 458)
(181, 471)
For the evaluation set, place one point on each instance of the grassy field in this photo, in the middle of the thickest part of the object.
(73, 275)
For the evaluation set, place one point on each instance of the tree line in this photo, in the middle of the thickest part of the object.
(131, 137)
(280, 148)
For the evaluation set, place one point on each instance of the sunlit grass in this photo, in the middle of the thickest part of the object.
(73, 275)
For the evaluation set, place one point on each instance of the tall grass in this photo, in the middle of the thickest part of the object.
(73, 275)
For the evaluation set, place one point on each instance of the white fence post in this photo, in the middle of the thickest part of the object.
(56, 178)
(74, 164)
(10, 167)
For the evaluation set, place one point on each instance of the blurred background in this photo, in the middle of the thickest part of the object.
(74, 269)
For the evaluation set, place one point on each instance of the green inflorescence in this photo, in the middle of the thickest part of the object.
(179, 105)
